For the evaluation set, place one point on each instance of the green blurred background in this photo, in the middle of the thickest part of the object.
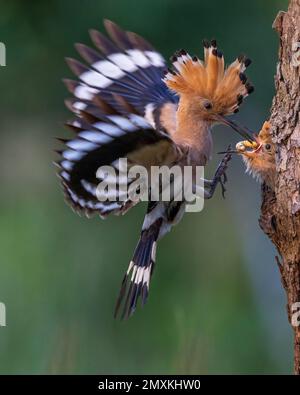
(216, 303)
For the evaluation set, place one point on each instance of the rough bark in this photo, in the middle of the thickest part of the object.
(280, 212)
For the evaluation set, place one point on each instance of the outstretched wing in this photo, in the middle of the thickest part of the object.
(103, 141)
(125, 66)
(123, 110)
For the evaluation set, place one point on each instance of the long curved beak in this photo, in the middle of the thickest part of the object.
(228, 152)
(242, 130)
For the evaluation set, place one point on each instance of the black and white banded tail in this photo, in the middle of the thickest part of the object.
(159, 219)
(136, 282)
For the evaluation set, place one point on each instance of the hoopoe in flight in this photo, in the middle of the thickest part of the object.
(259, 156)
(127, 105)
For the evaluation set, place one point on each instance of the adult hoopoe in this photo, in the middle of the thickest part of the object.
(259, 156)
(128, 106)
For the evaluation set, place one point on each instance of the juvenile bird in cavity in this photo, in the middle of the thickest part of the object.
(259, 156)
(127, 104)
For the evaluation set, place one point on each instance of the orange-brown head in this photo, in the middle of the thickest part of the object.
(259, 156)
(206, 88)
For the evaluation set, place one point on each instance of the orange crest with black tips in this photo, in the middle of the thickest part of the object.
(223, 88)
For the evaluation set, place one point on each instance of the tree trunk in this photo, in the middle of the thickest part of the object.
(280, 212)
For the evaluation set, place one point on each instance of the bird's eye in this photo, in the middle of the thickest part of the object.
(268, 147)
(207, 105)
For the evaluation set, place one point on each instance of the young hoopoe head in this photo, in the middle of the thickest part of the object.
(259, 156)
(208, 89)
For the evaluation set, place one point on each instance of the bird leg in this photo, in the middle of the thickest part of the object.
(219, 177)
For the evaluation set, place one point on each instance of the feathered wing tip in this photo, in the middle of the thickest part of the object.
(136, 281)
(224, 88)
(122, 64)
(102, 136)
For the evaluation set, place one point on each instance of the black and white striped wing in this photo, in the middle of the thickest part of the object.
(103, 143)
(124, 66)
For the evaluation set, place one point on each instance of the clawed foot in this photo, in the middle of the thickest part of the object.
(220, 176)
